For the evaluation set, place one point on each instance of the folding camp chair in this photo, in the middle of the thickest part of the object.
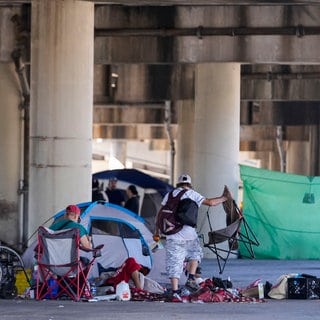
(61, 272)
(237, 231)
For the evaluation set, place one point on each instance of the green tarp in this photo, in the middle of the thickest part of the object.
(279, 208)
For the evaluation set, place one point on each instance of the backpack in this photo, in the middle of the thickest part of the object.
(187, 212)
(166, 217)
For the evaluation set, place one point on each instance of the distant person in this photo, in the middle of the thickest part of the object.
(132, 203)
(114, 194)
(97, 193)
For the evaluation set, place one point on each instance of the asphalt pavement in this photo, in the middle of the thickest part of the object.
(241, 273)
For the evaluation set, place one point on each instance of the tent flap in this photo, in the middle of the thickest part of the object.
(283, 211)
(135, 177)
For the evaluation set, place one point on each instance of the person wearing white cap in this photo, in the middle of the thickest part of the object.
(185, 244)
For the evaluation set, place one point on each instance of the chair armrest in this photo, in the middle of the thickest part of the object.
(96, 251)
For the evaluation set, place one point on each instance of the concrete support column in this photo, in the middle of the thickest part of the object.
(10, 132)
(118, 153)
(10, 155)
(7, 32)
(185, 139)
(62, 35)
(298, 165)
(314, 150)
(215, 142)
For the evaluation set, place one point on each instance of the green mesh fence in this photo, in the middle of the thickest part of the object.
(283, 210)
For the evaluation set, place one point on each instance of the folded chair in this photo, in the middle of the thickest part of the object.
(61, 272)
(236, 231)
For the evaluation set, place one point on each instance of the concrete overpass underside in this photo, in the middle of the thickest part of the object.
(276, 44)
(146, 54)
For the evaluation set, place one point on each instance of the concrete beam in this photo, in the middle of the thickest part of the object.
(151, 82)
(288, 113)
(173, 2)
(254, 48)
(282, 89)
(258, 146)
(259, 133)
(131, 132)
(192, 2)
(125, 114)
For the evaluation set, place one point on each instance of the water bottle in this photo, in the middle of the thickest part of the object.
(34, 276)
(93, 289)
(261, 290)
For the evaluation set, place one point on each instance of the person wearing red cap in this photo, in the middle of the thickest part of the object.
(70, 220)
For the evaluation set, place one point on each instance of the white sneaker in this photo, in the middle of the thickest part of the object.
(176, 298)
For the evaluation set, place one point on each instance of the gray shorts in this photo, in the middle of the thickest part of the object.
(177, 251)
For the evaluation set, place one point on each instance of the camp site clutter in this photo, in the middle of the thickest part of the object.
(125, 234)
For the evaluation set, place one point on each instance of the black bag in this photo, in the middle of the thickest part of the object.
(187, 212)
(166, 218)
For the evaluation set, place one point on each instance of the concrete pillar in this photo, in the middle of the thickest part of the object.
(298, 165)
(7, 32)
(215, 142)
(185, 138)
(118, 153)
(10, 155)
(10, 132)
(314, 150)
(62, 35)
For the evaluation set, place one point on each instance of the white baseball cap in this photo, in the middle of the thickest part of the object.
(184, 178)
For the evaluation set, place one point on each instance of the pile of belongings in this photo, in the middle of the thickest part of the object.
(211, 290)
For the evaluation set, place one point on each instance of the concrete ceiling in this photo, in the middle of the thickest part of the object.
(278, 67)
(185, 2)
(203, 2)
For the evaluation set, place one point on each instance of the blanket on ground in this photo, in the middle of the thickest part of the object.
(207, 293)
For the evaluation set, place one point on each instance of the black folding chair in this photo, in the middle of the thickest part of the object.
(236, 231)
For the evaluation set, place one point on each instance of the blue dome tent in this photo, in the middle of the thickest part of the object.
(123, 233)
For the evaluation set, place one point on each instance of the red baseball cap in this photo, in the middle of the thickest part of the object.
(73, 208)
